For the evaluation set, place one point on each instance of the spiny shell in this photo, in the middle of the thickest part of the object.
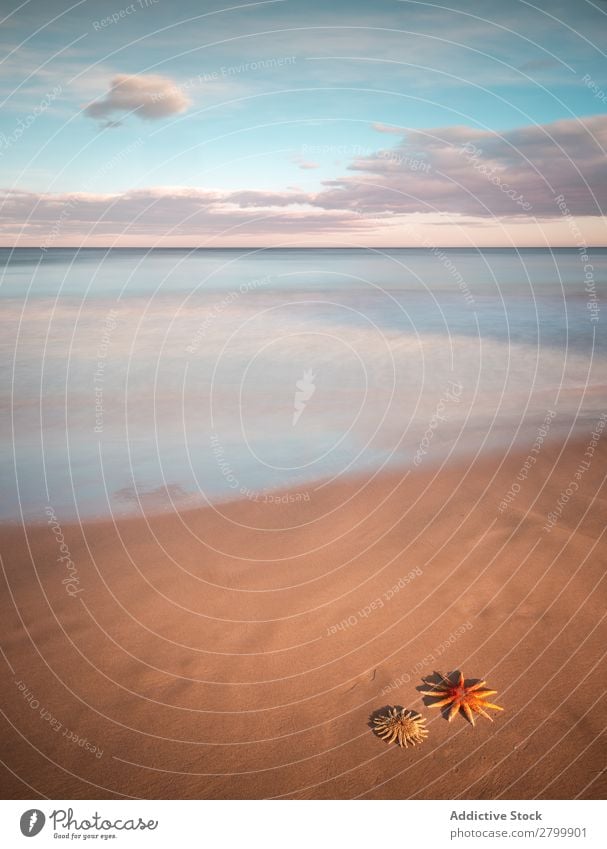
(401, 726)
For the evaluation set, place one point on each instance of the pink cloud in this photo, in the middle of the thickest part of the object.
(466, 177)
(305, 164)
(147, 96)
(474, 172)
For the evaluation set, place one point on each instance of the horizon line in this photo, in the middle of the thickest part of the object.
(302, 247)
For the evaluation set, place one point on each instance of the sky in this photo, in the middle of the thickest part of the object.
(303, 122)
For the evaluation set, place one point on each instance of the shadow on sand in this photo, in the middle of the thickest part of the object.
(436, 679)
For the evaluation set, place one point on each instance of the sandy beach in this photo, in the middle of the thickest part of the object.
(240, 651)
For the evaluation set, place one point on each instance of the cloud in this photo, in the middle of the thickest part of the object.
(149, 214)
(177, 216)
(147, 96)
(467, 171)
(458, 175)
(305, 164)
(249, 198)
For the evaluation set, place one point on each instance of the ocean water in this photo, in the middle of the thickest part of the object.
(136, 380)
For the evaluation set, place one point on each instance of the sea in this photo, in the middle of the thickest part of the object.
(136, 380)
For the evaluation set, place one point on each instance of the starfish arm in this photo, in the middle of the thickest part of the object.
(478, 685)
(454, 709)
(483, 713)
(489, 705)
(468, 712)
(435, 693)
(484, 693)
(461, 679)
(442, 702)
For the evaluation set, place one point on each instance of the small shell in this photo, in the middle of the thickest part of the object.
(401, 726)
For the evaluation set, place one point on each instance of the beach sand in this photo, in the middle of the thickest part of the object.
(240, 651)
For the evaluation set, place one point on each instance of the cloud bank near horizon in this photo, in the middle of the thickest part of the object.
(471, 177)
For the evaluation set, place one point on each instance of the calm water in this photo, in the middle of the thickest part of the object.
(131, 379)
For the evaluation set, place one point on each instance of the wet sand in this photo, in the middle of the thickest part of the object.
(240, 651)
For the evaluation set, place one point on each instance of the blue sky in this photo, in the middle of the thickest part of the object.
(296, 102)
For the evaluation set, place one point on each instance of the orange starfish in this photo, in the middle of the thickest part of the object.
(470, 700)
